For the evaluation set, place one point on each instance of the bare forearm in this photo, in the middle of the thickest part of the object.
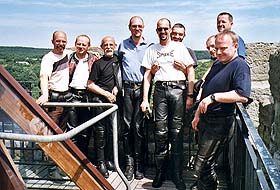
(96, 89)
(191, 78)
(146, 84)
(230, 97)
(44, 85)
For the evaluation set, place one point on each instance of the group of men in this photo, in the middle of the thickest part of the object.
(127, 77)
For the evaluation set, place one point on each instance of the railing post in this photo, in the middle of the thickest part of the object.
(115, 146)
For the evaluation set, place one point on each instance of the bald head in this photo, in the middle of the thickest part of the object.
(108, 44)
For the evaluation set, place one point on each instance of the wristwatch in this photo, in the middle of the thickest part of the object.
(213, 98)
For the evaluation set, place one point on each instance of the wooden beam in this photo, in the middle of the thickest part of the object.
(9, 175)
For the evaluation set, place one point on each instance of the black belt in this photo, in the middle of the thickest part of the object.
(132, 84)
(170, 83)
(58, 92)
(78, 92)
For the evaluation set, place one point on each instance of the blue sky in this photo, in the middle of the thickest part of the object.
(32, 22)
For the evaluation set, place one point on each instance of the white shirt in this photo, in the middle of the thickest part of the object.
(81, 74)
(57, 69)
(165, 56)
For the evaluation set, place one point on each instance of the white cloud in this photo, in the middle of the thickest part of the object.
(111, 18)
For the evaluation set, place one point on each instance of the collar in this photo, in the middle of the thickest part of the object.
(142, 43)
(77, 60)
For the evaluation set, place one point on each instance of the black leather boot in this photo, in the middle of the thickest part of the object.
(160, 162)
(102, 169)
(110, 166)
(138, 171)
(176, 140)
(177, 177)
(179, 181)
(129, 169)
(159, 179)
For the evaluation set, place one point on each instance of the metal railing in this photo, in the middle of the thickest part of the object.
(252, 167)
(61, 137)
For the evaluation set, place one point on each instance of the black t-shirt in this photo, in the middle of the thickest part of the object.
(234, 75)
(102, 73)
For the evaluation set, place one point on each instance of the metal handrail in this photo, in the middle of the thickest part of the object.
(61, 137)
(260, 157)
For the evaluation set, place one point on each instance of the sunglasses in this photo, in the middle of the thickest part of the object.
(162, 29)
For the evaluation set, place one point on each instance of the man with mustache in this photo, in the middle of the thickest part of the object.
(104, 84)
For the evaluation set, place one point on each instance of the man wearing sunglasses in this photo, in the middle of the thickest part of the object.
(169, 100)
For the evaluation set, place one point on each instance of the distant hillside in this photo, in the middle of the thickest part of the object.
(202, 54)
(23, 52)
(6, 51)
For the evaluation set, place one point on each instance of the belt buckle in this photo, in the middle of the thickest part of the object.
(164, 83)
(80, 93)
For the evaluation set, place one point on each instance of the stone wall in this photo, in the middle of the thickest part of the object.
(264, 61)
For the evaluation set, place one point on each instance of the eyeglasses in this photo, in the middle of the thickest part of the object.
(162, 29)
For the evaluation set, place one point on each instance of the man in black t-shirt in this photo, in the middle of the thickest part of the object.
(227, 82)
(104, 84)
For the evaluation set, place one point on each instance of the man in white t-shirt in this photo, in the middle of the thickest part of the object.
(54, 75)
(169, 101)
(54, 80)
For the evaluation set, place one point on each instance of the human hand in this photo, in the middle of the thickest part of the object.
(203, 105)
(179, 65)
(111, 97)
(115, 91)
(195, 122)
(155, 67)
(42, 99)
(144, 105)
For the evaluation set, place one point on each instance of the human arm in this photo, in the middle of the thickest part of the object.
(195, 120)
(146, 87)
(222, 97)
(97, 90)
(191, 78)
(180, 66)
(44, 79)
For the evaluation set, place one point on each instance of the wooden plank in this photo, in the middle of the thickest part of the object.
(9, 176)
(22, 108)
(8, 156)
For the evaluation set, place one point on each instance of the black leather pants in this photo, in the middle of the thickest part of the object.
(103, 133)
(169, 105)
(133, 132)
(77, 116)
(214, 133)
